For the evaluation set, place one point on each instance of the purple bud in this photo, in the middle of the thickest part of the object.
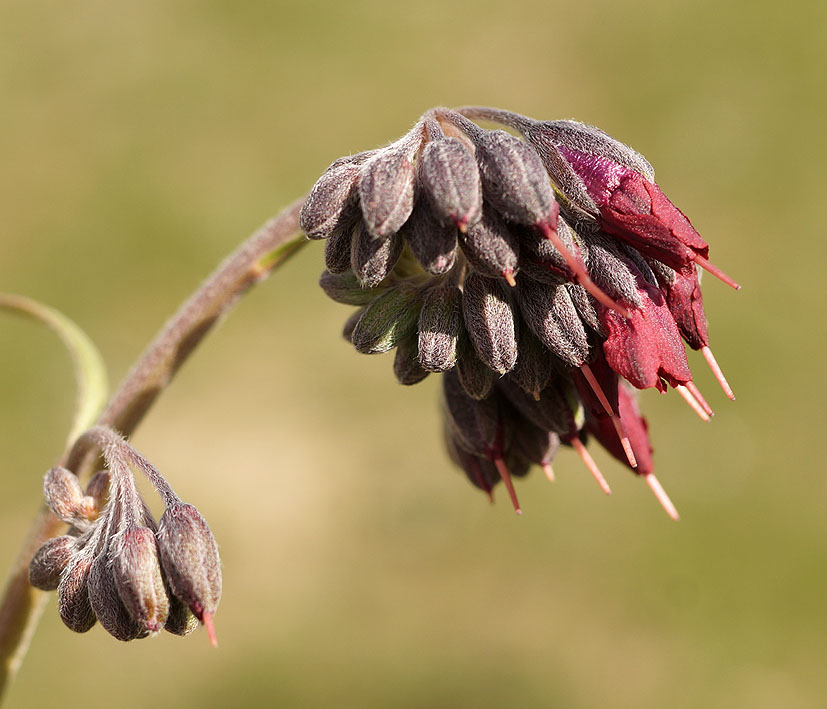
(491, 247)
(585, 306)
(551, 315)
(433, 243)
(137, 573)
(190, 559)
(389, 318)
(373, 259)
(489, 320)
(72, 594)
(440, 324)
(476, 422)
(476, 377)
(551, 413)
(63, 494)
(533, 369)
(514, 179)
(451, 180)
(327, 205)
(107, 603)
(338, 247)
(610, 270)
(50, 560)
(386, 192)
(406, 366)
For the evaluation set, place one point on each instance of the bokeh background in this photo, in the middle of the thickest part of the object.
(139, 142)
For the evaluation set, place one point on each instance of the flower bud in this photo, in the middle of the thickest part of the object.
(585, 306)
(491, 247)
(386, 192)
(338, 247)
(551, 412)
(345, 288)
(63, 494)
(389, 318)
(180, 620)
(72, 593)
(406, 366)
(440, 323)
(372, 259)
(533, 369)
(489, 320)
(50, 560)
(190, 559)
(137, 573)
(107, 603)
(476, 423)
(551, 315)
(450, 178)
(433, 243)
(327, 205)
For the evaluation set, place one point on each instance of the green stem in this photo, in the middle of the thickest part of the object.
(251, 263)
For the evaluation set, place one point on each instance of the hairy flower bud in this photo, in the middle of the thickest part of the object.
(137, 574)
(451, 180)
(476, 422)
(406, 366)
(72, 593)
(389, 318)
(63, 494)
(338, 248)
(489, 320)
(190, 559)
(372, 259)
(533, 369)
(433, 243)
(50, 560)
(476, 377)
(386, 192)
(440, 323)
(107, 603)
(491, 247)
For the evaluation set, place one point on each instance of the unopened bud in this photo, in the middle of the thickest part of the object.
(440, 323)
(107, 603)
(490, 246)
(73, 594)
(190, 559)
(63, 493)
(406, 366)
(451, 180)
(50, 560)
(386, 192)
(373, 259)
(476, 377)
(345, 288)
(338, 247)
(137, 572)
(433, 243)
(489, 320)
(389, 318)
(533, 369)
(180, 620)
(476, 422)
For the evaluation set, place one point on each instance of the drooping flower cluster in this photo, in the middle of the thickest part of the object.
(542, 274)
(117, 565)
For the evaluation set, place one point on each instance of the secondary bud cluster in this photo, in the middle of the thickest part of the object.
(116, 565)
(543, 274)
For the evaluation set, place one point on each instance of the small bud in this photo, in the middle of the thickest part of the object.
(534, 444)
(98, 487)
(345, 288)
(490, 246)
(551, 315)
(180, 620)
(451, 180)
(371, 259)
(406, 366)
(72, 594)
(386, 192)
(585, 306)
(107, 603)
(63, 494)
(540, 258)
(433, 243)
(550, 413)
(190, 559)
(50, 560)
(489, 320)
(350, 324)
(389, 318)
(514, 179)
(479, 470)
(476, 377)
(137, 573)
(338, 247)
(327, 205)
(533, 369)
(476, 423)
(440, 323)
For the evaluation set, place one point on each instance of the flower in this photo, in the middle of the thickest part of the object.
(544, 277)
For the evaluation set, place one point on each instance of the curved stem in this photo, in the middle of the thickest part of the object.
(252, 262)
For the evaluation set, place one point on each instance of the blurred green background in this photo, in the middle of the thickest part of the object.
(139, 142)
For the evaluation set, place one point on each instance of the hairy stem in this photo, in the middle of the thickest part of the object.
(252, 262)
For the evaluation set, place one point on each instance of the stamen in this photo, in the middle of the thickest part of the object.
(506, 477)
(662, 497)
(715, 271)
(206, 619)
(596, 388)
(508, 274)
(699, 397)
(624, 441)
(581, 275)
(549, 471)
(577, 444)
(716, 370)
(689, 399)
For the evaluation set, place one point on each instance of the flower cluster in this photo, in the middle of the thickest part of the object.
(117, 565)
(542, 274)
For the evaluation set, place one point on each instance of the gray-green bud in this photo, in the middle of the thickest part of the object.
(389, 318)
